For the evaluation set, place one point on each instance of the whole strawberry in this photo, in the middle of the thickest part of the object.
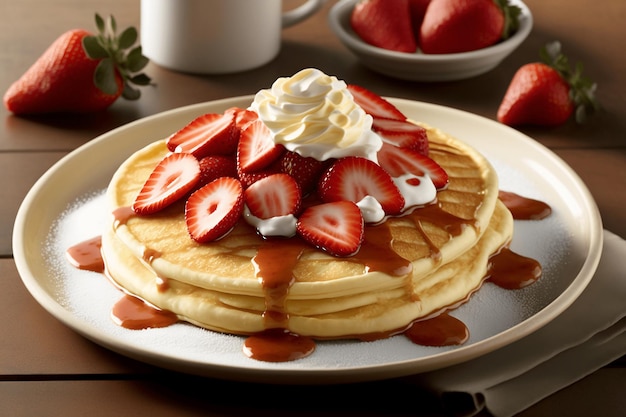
(547, 93)
(81, 72)
(385, 24)
(453, 26)
(417, 10)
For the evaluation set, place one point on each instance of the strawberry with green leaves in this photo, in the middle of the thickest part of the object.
(547, 93)
(453, 26)
(81, 72)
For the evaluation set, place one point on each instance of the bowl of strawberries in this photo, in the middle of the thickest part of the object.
(431, 40)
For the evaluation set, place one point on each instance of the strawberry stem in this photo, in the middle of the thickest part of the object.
(582, 90)
(116, 58)
(511, 17)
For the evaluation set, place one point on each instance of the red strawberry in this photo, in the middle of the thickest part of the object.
(399, 161)
(256, 149)
(272, 196)
(547, 93)
(452, 26)
(418, 10)
(335, 227)
(80, 73)
(213, 167)
(373, 104)
(213, 210)
(402, 133)
(385, 24)
(305, 170)
(249, 178)
(209, 134)
(174, 177)
(243, 116)
(353, 178)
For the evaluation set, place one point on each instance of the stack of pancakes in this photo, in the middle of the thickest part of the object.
(446, 247)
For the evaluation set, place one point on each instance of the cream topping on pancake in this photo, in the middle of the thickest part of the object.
(315, 115)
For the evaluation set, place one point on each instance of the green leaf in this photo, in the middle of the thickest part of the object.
(113, 24)
(511, 17)
(127, 38)
(581, 114)
(118, 58)
(100, 23)
(104, 76)
(582, 89)
(130, 93)
(135, 61)
(140, 79)
(93, 48)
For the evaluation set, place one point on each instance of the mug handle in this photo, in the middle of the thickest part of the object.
(293, 16)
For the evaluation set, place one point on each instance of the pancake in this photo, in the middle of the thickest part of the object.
(409, 267)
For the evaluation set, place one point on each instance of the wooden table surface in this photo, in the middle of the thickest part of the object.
(48, 369)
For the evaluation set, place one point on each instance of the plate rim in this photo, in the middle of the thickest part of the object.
(347, 374)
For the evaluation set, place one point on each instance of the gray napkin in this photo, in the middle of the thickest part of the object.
(588, 335)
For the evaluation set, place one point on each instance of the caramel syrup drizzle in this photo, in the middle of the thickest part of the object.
(275, 261)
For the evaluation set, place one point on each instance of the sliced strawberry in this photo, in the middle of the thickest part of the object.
(256, 149)
(385, 24)
(209, 134)
(213, 167)
(352, 178)
(400, 161)
(373, 104)
(335, 227)
(402, 133)
(243, 116)
(272, 196)
(305, 170)
(213, 210)
(173, 177)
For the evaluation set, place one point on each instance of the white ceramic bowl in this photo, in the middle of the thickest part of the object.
(426, 67)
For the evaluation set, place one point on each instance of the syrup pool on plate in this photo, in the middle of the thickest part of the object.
(507, 270)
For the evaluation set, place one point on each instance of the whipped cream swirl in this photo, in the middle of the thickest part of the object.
(315, 115)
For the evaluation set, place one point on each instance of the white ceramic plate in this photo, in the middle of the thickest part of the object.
(66, 206)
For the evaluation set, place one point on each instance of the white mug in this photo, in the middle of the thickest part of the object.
(216, 36)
